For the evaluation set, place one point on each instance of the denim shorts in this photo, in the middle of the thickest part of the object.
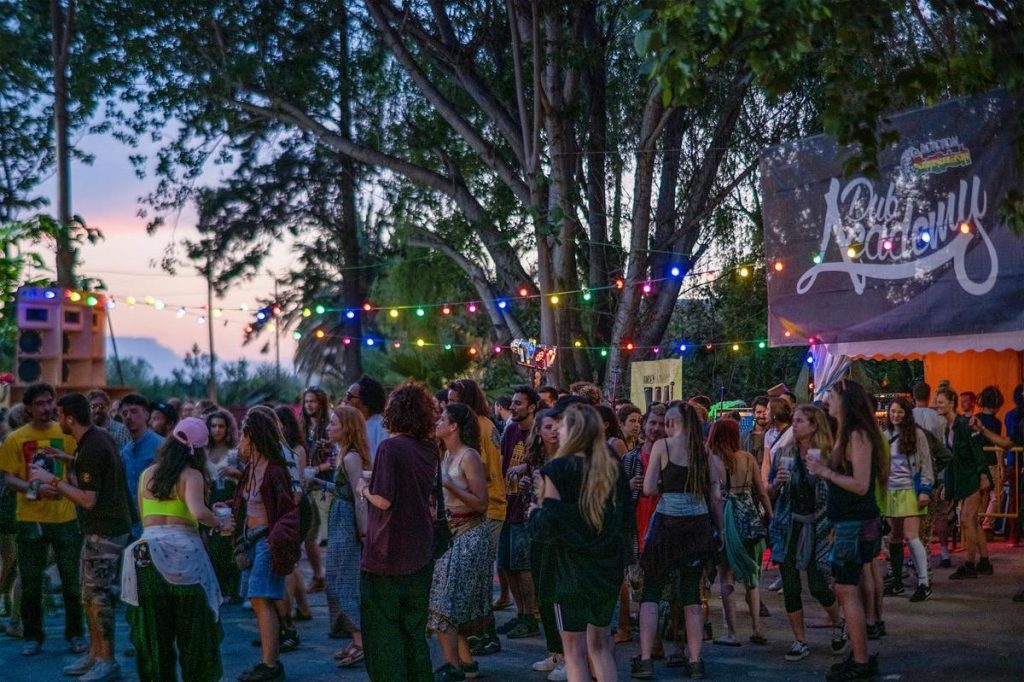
(260, 582)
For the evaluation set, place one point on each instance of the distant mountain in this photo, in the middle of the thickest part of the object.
(162, 358)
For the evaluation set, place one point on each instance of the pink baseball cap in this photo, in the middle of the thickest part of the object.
(191, 431)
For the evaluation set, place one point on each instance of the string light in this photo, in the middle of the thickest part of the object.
(351, 315)
(761, 344)
(555, 299)
(682, 348)
(306, 312)
(91, 301)
(735, 346)
(130, 300)
(472, 351)
(965, 228)
(779, 266)
(647, 288)
(446, 310)
(577, 344)
(447, 346)
(320, 333)
(524, 292)
(320, 310)
(370, 342)
(420, 343)
(604, 352)
(397, 344)
(497, 349)
(347, 341)
(744, 272)
(367, 307)
(393, 313)
(200, 320)
(675, 271)
(629, 345)
(243, 307)
(619, 283)
(816, 259)
(851, 252)
(471, 308)
(180, 313)
(159, 305)
(502, 304)
(586, 295)
(217, 312)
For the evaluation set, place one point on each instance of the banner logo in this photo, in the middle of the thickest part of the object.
(893, 237)
(934, 157)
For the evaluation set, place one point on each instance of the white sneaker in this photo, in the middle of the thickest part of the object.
(549, 663)
(80, 667)
(558, 674)
(102, 672)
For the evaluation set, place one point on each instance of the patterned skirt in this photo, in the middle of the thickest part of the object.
(342, 566)
(461, 591)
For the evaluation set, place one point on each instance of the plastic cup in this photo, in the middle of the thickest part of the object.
(309, 472)
(785, 462)
(367, 474)
(222, 513)
(814, 453)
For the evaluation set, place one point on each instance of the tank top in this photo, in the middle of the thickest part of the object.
(846, 506)
(174, 507)
(674, 478)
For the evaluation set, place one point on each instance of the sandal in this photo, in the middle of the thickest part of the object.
(677, 660)
(344, 653)
(353, 659)
(726, 640)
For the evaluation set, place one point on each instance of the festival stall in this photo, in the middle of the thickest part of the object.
(917, 263)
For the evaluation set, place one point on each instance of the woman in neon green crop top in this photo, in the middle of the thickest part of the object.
(167, 576)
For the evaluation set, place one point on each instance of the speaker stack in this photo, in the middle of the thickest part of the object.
(61, 339)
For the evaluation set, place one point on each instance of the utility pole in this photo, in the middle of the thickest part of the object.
(211, 382)
(277, 339)
(63, 27)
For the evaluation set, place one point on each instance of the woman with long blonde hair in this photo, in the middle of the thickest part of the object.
(346, 526)
(582, 526)
(799, 531)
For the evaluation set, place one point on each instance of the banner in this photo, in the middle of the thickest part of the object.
(920, 251)
(655, 381)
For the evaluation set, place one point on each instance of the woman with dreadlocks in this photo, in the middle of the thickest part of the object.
(680, 537)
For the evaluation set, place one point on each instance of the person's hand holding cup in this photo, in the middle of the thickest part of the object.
(225, 518)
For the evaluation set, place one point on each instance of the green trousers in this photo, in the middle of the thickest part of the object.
(394, 615)
(174, 622)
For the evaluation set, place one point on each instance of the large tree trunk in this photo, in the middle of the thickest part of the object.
(62, 23)
(354, 282)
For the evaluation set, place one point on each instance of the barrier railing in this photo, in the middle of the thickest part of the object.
(1000, 471)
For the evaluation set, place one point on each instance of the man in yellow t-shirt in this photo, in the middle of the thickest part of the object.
(47, 521)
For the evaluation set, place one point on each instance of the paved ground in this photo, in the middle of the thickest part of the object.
(968, 631)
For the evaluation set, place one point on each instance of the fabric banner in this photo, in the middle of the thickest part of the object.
(921, 251)
(655, 381)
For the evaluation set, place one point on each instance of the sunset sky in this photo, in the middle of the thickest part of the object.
(106, 195)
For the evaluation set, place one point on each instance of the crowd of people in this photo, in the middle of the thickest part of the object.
(409, 504)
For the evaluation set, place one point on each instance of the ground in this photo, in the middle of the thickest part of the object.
(969, 630)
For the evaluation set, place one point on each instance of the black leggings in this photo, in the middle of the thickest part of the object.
(688, 584)
(791, 579)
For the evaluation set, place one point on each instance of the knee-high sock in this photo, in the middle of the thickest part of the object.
(919, 555)
(896, 562)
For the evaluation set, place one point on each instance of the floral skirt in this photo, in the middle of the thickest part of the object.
(460, 593)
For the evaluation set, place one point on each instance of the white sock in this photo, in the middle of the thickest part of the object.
(919, 556)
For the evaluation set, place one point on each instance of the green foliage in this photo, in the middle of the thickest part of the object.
(239, 383)
(869, 58)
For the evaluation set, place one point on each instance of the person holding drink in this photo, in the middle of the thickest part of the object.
(44, 519)
(97, 488)
(799, 530)
(168, 581)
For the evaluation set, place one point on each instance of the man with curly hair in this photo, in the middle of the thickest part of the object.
(397, 562)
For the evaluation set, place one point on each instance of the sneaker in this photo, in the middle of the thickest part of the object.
(798, 651)
(945, 563)
(80, 667)
(263, 673)
(548, 664)
(32, 648)
(894, 590)
(103, 672)
(448, 673)
(558, 674)
(289, 641)
(486, 646)
(840, 639)
(14, 630)
(709, 634)
(963, 572)
(470, 670)
(316, 585)
(641, 669)
(526, 627)
(851, 672)
(765, 613)
(508, 625)
(695, 669)
(873, 632)
(922, 593)
(776, 586)
(985, 567)
(78, 645)
(881, 628)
